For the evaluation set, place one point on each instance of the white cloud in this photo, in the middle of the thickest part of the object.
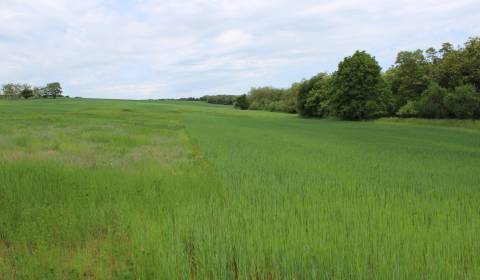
(146, 49)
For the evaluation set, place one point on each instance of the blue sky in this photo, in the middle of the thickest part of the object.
(158, 49)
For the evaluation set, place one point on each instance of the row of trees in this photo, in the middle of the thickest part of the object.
(430, 84)
(223, 99)
(17, 91)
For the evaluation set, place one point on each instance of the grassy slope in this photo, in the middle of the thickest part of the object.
(140, 189)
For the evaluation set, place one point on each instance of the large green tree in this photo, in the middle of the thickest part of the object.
(358, 90)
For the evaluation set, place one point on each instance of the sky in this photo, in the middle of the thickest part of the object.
(168, 49)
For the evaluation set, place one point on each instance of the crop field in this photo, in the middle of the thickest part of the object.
(99, 189)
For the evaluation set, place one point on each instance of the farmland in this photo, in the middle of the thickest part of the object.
(94, 189)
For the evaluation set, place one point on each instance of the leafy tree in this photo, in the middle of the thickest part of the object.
(264, 98)
(431, 103)
(471, 62)
(241, 102)
(53, 90)
(463, 102)
(272, 99)
(27, 92)
(358, 88)
(12, 90)
(448, 71)
(410, 76)
(312, 96)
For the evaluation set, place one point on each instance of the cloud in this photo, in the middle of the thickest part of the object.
(152, 49)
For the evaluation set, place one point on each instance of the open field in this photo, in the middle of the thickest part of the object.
(95, 189)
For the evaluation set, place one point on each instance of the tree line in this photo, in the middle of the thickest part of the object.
(443, 83)
(18, 91)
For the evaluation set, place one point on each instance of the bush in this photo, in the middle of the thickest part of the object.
(312, 96)
(431, 103)
(463, 102)
(408, 110)
(27, 93)
(241, 102)
(272, 99)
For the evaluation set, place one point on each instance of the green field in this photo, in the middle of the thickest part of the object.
(96, 189)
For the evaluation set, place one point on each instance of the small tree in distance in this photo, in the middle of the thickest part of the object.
(241, 102)
(27, 92)
(53, 90)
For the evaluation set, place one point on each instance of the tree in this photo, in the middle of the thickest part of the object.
(431, 103)
(53, 90)
(358, 90)
(241, 102)
(27, 92)
(264, 98)
(39, 92)
(448, 71)
(312, 96)
(410, 76)
(12, 90)
(463, 102)
(471, 62)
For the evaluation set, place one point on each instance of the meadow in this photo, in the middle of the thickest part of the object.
(101, 189)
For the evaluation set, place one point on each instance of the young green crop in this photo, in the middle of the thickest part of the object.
(167, 190)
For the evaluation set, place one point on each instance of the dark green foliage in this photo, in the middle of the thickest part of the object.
(431, 103)
(409, 77)
(463, 102)
(471, 62)
(27, 92)
(312, 96)
(223, 99)
(241, 102)
(358, 88)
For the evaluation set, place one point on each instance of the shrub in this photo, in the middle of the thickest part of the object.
(27, 93)
(241, 102)
(408, 110)
(431, 103)
(463, 102)
(312, 96)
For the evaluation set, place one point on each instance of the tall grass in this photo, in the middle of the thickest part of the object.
(143, 190)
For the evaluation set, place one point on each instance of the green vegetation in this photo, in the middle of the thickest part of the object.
(426, 84)
(17, 91)
(93, 189)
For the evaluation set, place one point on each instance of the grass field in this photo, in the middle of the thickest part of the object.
(167, 190)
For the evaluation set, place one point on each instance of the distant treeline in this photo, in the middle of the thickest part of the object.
(443, 83)
(17, 91)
